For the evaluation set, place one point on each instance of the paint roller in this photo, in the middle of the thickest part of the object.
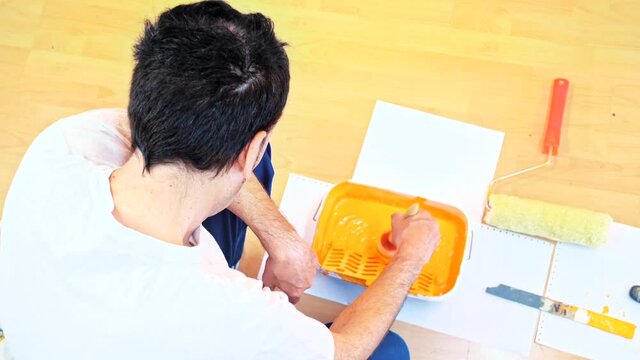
(532, 217)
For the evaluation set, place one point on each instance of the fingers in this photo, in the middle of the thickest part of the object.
(422, 215)
(396, 218)
(314, 261)
(294, 288)
(292, 271)
(268, 278)
(399, 219)
(295, 295)
(293, 292)
(416, 236)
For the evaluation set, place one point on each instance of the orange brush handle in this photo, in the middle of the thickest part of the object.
(556, 113)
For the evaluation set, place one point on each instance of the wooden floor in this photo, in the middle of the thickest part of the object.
(485, 62)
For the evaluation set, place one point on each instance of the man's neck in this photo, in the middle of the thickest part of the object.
(165, 203)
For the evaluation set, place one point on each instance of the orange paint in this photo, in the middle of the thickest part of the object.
(354, 221)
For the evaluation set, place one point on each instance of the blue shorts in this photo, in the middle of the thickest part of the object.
(392, 347)
(228, 230)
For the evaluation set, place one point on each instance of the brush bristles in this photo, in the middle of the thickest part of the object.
(555, 222)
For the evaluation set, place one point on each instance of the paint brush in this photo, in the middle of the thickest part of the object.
(386, 247)
(575, 313)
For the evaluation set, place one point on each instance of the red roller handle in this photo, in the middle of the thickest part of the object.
(556, 112)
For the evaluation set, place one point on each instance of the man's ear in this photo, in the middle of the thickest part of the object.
(252, 153)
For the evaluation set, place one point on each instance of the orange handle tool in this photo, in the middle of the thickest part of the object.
(556, 112)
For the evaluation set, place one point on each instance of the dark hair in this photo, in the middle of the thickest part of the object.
(207, 78)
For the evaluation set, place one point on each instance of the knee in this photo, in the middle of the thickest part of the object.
(391, 347)
(264, 172)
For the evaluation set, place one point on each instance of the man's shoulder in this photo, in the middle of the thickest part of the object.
(59, 164)
(116, 117)
(102, 137)
(99, 136)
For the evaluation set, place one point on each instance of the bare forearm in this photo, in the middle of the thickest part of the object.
(254, 206)
(291, 265)
(361, 326)
(251, 197)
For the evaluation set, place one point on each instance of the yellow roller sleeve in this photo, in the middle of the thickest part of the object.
(555, 222)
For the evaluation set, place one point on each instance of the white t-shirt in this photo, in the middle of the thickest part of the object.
(76, 284)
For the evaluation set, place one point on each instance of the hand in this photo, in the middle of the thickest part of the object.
(291, 266)
(416, 237)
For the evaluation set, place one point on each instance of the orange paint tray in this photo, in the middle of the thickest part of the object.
(355, 217)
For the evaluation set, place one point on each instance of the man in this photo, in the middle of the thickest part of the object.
(103, 252)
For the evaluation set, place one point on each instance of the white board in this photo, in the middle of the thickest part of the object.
(593, 279)
(426, 155)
